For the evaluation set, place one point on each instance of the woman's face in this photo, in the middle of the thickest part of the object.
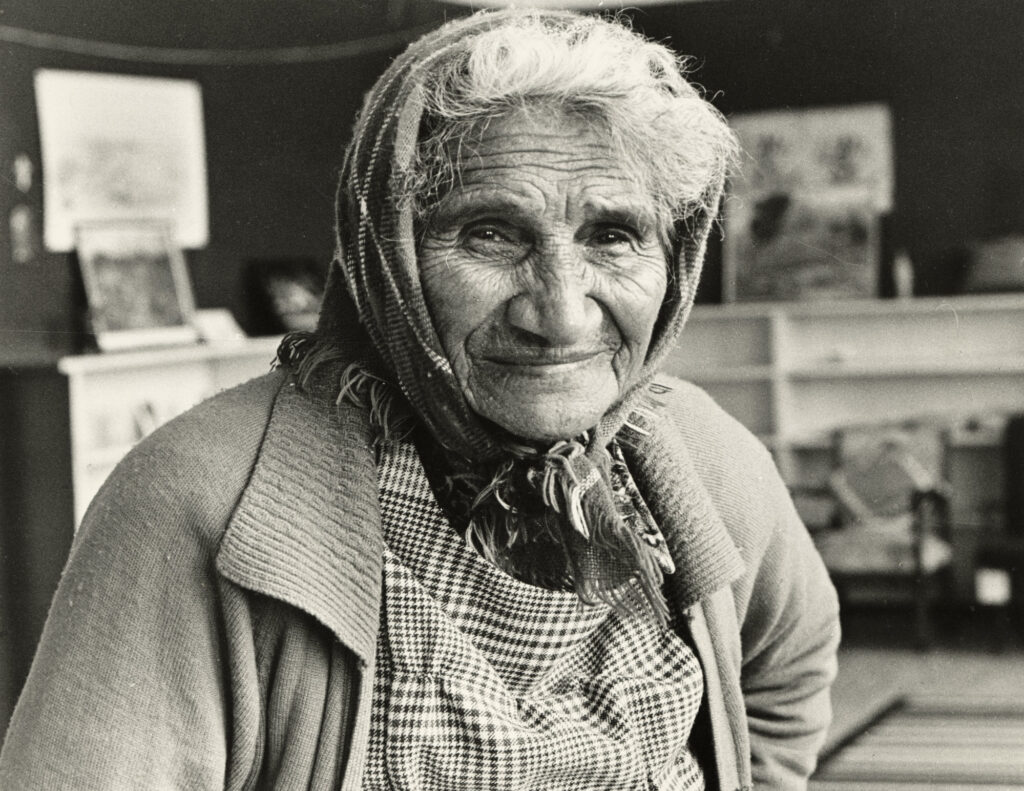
(544, 274)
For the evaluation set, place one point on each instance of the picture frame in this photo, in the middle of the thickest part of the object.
(799, 247)
(805, 214)
(284, 294)
(119, 147)
(136, 284)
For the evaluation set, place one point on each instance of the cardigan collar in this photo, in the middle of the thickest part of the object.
(307, 528)
(705, 556)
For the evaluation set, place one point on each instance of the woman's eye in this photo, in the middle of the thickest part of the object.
(614, 236)
(493, 239)
(486, 234)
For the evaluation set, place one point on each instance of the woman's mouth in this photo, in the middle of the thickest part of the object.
(545, 360)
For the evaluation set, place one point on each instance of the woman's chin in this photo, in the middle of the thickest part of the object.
(547, 420)
(544, 405)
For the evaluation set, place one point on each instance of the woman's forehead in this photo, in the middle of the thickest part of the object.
(522, 162)
(530, 130)
(526, 199)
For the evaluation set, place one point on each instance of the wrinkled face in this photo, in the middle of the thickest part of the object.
(544, 275)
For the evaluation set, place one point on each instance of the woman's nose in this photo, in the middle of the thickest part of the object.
(557, 305)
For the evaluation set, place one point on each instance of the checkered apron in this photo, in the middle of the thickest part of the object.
(486, 682)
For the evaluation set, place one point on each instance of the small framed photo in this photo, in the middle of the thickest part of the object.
(284, 293)
(136, 284)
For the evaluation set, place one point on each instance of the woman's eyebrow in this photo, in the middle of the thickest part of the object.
(461, 205)
(638, 213)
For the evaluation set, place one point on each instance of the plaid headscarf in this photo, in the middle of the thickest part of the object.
(374, 293)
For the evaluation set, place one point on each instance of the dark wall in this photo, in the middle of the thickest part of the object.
(952, 70)
(275, 134)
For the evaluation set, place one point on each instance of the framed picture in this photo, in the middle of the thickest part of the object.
(119, 147)
(792, 246)
(804, 215)
(136, 284)
(284, 293)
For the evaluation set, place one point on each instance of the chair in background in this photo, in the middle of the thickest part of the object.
(892, 516)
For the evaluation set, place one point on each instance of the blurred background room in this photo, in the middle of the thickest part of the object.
(167, 207)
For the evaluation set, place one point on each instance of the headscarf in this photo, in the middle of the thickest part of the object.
(374, 294)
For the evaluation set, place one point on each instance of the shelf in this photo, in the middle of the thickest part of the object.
(726, 374)
(174, 355)
(977, 366)
(959, 439)
(797, 371)
(964, 304)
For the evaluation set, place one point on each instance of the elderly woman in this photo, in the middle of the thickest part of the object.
(464, 536)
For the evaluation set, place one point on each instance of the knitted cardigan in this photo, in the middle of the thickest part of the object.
(216, 622)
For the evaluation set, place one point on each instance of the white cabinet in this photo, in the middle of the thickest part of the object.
(793, 372)
(116, 399)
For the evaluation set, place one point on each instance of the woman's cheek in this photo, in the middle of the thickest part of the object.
(462, 295)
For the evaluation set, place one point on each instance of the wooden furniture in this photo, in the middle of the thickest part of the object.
(795, 372)
(67, 422)
(892, 525)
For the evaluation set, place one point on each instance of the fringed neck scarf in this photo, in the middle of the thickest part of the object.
(375, 332)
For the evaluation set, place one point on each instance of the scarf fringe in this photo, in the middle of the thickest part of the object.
(598, 549)
(615, 547)
(306, 354)
(309, 356)
(368, 391)
(561, 509)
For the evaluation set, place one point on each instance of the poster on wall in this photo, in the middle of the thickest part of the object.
(803, 216)
(118, 147)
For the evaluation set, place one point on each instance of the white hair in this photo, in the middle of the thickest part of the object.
(678, 145)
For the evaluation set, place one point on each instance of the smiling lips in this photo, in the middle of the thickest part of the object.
(541, 359)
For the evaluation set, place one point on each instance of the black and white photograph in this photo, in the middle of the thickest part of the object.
(485, 395)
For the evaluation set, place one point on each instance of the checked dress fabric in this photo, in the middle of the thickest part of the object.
(486, 682)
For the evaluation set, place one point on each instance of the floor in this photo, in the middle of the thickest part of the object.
(977, 654)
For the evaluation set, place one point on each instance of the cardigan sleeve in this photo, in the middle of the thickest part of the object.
(131, 686)
(784, 605)
(790, 635)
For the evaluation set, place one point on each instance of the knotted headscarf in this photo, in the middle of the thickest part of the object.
(375, 320)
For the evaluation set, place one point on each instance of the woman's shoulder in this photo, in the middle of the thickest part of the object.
(193, 469)
(735, 467)
(710, 432)
(225, 424)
